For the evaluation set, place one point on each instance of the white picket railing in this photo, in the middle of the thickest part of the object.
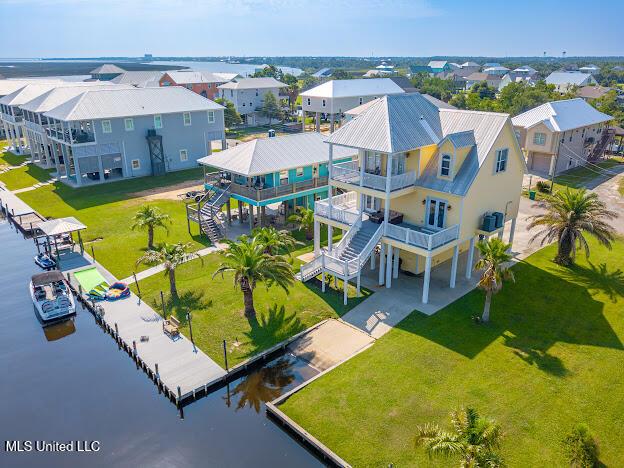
(422, 239)
(349, 172)
(401, 181)
(344, 208)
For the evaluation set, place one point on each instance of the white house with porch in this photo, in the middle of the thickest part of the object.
(427, 183)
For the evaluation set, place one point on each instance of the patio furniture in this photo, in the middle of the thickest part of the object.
(378, 217)
(171, 326)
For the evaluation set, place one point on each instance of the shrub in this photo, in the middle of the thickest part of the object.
(581, 448)
(543, 186)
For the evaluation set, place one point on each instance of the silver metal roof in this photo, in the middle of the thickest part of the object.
(142, 79)
(195, 76)
(354, 88)
(107, 68)
(10, 86)
(393, 124)
(57, 96)
(115, 103)
(573, 78)
(253, 83)
(30, 91)
(268, 155)
(562, 115)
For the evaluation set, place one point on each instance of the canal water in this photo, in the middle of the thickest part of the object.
(71, 383)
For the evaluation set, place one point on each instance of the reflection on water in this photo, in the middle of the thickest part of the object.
(59, 330)
(270, 382)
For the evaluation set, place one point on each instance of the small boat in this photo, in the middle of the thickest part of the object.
(51, 296)
(45, 262)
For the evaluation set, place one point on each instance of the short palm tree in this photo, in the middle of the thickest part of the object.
(170, 256)
(149, 218)
(246, 259)
(494, 256)
(304, 219)
(275, 241)
(569, 215)
(473, 439)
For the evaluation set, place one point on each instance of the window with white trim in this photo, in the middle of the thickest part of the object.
(106, 126)
(300, 172)
(136, 164)
(186, 117)
(309, 101)
(129, 124)
(539, 138)
(445, 165)
(323, 103)
(501, 160)
(211, 117)
(158, 121)
(283, 175)
(183, 155)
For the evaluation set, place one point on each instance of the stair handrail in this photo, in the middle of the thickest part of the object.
(372, 242)
(344, 241)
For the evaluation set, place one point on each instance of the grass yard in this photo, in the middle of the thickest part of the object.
(9, 159)
(107, 210)
(24, 176)
(551, 357)
(578, 177)
(217, 308)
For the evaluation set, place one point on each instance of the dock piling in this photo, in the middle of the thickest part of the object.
(225, 356)
(137, 284)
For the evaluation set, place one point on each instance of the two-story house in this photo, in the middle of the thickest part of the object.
(561, 135)
(289, 170)
(247, 95)
(335, 97)
(106, 134)
(200, 82)
(563, 81)
(426, 184)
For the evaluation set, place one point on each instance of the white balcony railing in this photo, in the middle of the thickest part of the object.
(344, 208)
(348, 172)
(422, 239)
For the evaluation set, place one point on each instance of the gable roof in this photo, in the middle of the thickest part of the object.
(115, 103)
(139, 78)
(497, 68)
(392, 124)
(57, 96)
(323, 72)
(354, 88)
(107, 69)
(30, 91)
(437, 63)
(10, 86)
(562, 115)
(470, 64)
(481, 76)
(253, 83)
(568, 77)
(593, 92)
(268, 155)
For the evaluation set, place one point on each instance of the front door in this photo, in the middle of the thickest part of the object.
(436, 213)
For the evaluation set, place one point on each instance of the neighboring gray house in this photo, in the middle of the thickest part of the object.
(499, 70)
(139, 79)
(492, 80)
(564, 80)
(470, 67)
(591, 69)
(335, 97)
(35, 122)
(560, 135)
(247, 95)
(101, 135)
(512, 77)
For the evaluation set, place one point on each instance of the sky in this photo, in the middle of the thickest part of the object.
(93, 28)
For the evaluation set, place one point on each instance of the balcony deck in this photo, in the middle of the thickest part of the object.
(423, 237)
(349, 173)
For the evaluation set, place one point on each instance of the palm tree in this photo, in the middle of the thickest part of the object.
(494, 256)
(569, 215)
(170, 256)
(149, 218)
(251, 265)
(304, 219)
(474, 439)
(275, 241)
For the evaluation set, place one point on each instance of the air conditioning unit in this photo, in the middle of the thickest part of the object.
(489, 223)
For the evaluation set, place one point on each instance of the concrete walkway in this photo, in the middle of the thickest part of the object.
(609, 193)
(387, 307)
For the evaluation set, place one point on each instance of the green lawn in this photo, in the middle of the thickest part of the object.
(9, 159)
(24, 176)
(217, 308)
(107, 210)
(577, 177)
(551, 357)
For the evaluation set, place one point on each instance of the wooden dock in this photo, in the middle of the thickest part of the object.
(176, 365)
(22, 215)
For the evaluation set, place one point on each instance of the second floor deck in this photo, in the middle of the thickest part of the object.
(350, 174)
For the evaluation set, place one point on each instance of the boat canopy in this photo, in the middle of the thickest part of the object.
(47, 277)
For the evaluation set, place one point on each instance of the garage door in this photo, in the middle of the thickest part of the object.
(540, 163)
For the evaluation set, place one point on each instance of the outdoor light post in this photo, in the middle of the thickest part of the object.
(189, 318)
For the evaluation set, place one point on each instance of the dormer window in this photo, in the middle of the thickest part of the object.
(445, 166)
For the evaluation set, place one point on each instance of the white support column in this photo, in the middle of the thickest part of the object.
(330, 190)
(77, 172)
(500, 233)
(373, 260)
(318, 122)
(357, 285)
(387, 201)
(331, 123)
(382, 263)
(395, 264)
(512, 230)
(427, 280)
(323, 281)
(302, 121)
(345, 294)
(330, 238)
(470, 258)
(389, 267)
(454, 266)
(251, 217)
(317, 238)
(57, 163)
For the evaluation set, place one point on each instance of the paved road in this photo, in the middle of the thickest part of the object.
(608, 192)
